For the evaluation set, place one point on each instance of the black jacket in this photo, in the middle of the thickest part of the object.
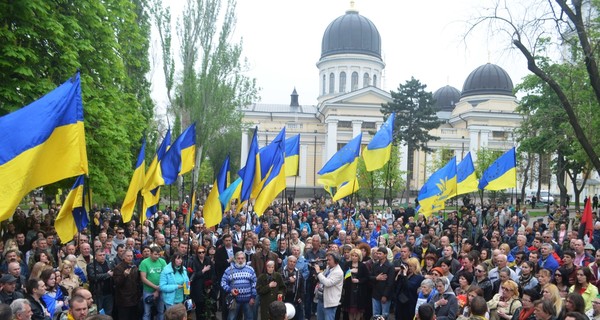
(382, 288)
(198, 279)
(37, 308)
(100, 281)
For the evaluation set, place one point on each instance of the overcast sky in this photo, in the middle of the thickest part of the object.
(424, 39)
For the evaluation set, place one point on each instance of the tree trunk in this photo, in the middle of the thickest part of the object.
(539, 180)
(560, 178)
(525, 177)
(409, 169)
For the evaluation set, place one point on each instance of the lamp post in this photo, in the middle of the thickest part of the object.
(267, 137)
(315, 167)
(462, 152)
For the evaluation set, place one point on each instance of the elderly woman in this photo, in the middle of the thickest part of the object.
(445, 302)
(269, 286)
(503, 305)
(426, 293)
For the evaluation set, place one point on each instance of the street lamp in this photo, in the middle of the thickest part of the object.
(315, 167)
(462, 152)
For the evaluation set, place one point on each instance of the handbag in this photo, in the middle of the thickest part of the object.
(189, 304)
(230, 301)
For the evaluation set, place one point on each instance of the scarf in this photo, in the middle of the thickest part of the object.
(525, 313)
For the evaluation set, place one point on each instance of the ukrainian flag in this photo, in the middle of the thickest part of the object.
(275, 182)
(342, 166)
(378, 151)
(345, 189)
(502, 174)
(292, 155)
(136, 184)
(265, 160)
(152, 196)
(42, 143)
(231, 193)
(213, 208)
(180, 158)
(466, 180)
(72, 217)
(440, 187)
(248, 172)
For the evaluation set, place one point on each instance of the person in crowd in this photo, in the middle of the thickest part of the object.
(329, 287)
(527, 279)
(584, 287)
(382, 282)
(55, 297)
(224, 257)
(482, 281)
(101, 283)
(573, 303)
(69, 280)
(21, 309)
(127, 283)
(445, 302)
(173, 278)
(270, 287)
(356, 278)
(294, 284)
(8, 289)
(239, 280)
(201, 279)
(78, 308)
(544, 310)
(550, 292)
(407, 283)
(35, 290)
(594, 313)
(277, 311)
(503, 305)
(526, 312)
(150, 270)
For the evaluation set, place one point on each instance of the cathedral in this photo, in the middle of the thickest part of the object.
(350, 71)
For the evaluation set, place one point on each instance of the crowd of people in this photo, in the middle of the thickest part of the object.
(329, 260)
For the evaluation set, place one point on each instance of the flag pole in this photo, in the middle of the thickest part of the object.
(93, 228)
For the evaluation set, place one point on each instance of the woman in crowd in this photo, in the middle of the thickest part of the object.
(503, 276)
(269, 286)
(573, 303)
(504, 304)
(430, 259)
(464, 282)
(54, 298)
(526, 311)
(544, 277)
(445, 302)
(408, 282)
(203, 273)
(464, 311)
(69, 279)
(356, 295)
(37, 269)
(550, 293)
(482, 281)
(526, 279)
(172, 279)
(446, 266)
(426, 293)
(584, 287)
(561, 282)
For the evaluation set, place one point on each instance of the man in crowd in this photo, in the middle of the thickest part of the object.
(294, 284)
(329, 288)
(127, 283)
(224, 256)
(382, 282)
(239, 280)
(150, 269)
(100, 276)
(21, 309)
(8, 292)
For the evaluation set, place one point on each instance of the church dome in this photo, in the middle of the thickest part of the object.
(351, 33)
(446, 98)
(488, 79)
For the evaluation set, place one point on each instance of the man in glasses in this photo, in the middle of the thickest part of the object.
(594, 313)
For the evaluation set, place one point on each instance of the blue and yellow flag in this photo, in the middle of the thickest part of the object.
(213, 208)
(292, 155)
(502, 174)
(42, 143)
(191, 212)
(152, 196)
(342, 166)
(136, 184)
(348, 274)
(231, 193)
(265, 160)
(440, 187)
(466, 180)
(248, 172)
(72, 217)
(180, 158)
(378, 151)
(345, 189)
(275, 182)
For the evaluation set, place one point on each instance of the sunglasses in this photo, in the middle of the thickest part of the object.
(479, 270)
(201, 252)
(505, 288)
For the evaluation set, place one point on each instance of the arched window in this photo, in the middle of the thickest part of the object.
(324, 84)
(354, 80)
(342, 81)
(366, 80)
(331, 82)
(374, 81)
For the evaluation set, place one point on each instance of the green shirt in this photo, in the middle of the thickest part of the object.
(152, 270)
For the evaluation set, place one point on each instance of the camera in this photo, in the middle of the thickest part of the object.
(320, 262)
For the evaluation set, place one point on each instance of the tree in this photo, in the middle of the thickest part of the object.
(415, 118)
(383, 183)
(485, 157)
(440, 159)
(46, 42)
(574, 26)
(211, 87)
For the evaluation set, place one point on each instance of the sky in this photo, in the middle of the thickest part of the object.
(424, 39)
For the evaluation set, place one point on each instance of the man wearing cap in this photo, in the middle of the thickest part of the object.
(8, 293)
(594, 312)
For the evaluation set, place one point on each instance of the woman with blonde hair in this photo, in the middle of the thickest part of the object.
(408, 282)
(69, 280)
(550, 292)
(357, 296)
(503, 305)
(37, 269)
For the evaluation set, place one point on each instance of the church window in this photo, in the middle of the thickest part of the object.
(345, 124)
(354, 80)
(374, 81)
(324, 84)
(366, 79)
(342, 81)
(331, 82)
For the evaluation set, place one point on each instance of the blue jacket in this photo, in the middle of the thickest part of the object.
(550, 263)
(169, 283)
(243, 279)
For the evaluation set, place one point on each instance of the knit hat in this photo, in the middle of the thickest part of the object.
(438, 270)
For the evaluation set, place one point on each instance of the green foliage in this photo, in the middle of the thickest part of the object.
(440, 159)
(45, 42)
(206, 174)
(386, 181)
(230, 144)
(485, 157)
